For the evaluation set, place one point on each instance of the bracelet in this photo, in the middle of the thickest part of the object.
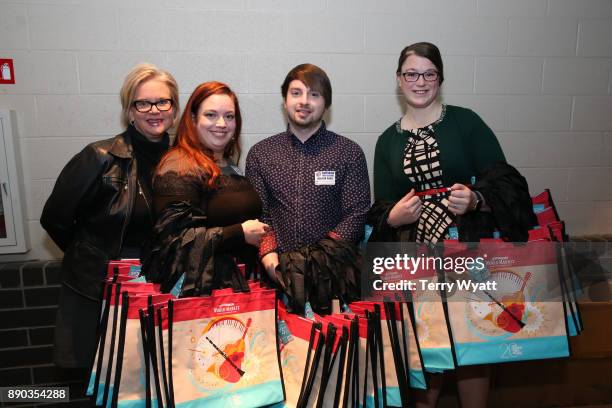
(478, 202)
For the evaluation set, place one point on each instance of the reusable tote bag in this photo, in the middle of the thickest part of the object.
(299, 340)
(431, 328)
(553, 232)
(367, 388)
(163, 330)
(389, 352)
(226, 355)
(408, 342)
(411, 347)
(552, 228)
(101, 376)
(155, 380)
(120, 266)
(347, 387)
(518, 320)
(331, 361)
(427, 301)
(130, 377)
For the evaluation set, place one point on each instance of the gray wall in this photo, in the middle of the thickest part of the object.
(537, 71)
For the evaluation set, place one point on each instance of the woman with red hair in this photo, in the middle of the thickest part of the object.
(207, 210)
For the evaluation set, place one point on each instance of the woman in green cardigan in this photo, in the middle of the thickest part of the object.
(437, 149)
(432, 146)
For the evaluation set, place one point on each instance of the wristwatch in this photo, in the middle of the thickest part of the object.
(478, 202)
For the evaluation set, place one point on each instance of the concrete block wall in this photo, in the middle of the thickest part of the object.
(29, 294)
(538, 71)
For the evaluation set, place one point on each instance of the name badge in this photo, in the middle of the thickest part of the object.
(325, 178)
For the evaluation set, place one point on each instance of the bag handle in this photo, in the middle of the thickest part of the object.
(153, 349)
(147, 355)
(400, 369)
(111, 353)
(340, 379)
(170, 400)
(328, 359)
(313, 332)
(314, 365)
(102, 337)
(125, 304)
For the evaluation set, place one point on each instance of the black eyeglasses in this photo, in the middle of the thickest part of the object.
(412, 76)
(144, 106)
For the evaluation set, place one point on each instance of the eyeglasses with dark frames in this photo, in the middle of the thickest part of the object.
(144, 106)
(412, 76)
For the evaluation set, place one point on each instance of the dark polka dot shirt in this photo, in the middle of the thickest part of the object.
(309, 190)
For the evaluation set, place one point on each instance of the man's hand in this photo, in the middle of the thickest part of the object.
(270, 262)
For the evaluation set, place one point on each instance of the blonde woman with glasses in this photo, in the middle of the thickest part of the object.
(101, 207)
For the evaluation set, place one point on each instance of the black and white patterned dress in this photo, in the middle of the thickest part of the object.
(422, 166)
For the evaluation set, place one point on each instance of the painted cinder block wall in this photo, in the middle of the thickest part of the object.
(537, 71)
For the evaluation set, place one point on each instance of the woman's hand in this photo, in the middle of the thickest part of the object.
(461, 199)
(253, 231)
(406, 211)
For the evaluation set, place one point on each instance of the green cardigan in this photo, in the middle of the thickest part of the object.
(467, 146)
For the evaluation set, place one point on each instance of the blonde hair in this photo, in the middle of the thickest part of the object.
(136, 77)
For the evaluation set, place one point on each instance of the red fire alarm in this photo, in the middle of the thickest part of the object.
(7, 72)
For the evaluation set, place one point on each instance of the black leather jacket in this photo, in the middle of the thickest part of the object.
(89, 210)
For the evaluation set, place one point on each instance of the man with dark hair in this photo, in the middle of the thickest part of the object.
(313, 182)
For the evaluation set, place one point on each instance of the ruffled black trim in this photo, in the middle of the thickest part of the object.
(320, 272)
(182, 244)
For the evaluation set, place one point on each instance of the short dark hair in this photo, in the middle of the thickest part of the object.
(425, 50)
(313, 77)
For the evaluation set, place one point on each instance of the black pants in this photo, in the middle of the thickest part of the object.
(75, 330)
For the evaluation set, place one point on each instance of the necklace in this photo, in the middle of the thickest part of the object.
(409, 122)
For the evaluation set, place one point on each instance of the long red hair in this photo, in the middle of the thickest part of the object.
(193, 157)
